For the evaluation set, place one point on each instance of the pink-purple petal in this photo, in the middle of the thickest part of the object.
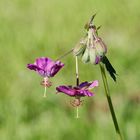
(84, 84)
(33, 67)
(42, 62)
(94, 84)
(85, 93)
(78, 91)
(66, 89)
(45, 66)
(88, 93)
(97, 60)
(55, 68)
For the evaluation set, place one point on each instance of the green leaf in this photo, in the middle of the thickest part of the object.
(109, 68)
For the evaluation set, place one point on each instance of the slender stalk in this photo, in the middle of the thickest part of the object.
(77, 83)
(65, 54)
(107, 92)
(77, 112)
(77, 71)
(45, 88)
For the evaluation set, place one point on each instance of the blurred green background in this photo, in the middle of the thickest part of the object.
(34, 28)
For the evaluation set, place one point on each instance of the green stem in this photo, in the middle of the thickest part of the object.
(77, 84)
(65, 54)
(77, 71)
(110, 102)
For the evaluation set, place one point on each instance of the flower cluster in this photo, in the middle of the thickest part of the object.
(48, 68)
(91, 48)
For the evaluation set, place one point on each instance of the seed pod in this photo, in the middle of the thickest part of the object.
(85, 57)
(100, 47)
(80, 48)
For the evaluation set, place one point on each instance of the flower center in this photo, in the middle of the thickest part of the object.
(76, 102)
(46, 82)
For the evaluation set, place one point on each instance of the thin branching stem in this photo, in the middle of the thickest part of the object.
(65, 54)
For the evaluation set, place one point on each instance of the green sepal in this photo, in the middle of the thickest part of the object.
(100, 47)
(92, 55)
(85, 57)
(79, 49)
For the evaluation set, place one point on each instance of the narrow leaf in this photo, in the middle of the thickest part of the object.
(109, 68)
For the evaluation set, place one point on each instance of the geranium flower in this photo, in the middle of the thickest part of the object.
(78, 91)
(46, 68)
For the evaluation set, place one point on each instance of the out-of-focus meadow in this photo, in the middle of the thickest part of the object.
(34, 28)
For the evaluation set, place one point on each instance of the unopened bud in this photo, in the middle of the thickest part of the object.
(85, 57)
(80, 48)
(100, 47)
(94, 57)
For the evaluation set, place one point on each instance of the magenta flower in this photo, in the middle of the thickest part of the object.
(81, 90)
(45, 66)
(78, 91)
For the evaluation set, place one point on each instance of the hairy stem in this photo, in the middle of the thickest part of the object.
(107, 93)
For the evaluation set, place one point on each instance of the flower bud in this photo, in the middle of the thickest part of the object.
(101, 48)
(94, 57)
(80, 48)
(85, 57)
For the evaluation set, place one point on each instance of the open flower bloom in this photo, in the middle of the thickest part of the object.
(45, 66)
(79, 91)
